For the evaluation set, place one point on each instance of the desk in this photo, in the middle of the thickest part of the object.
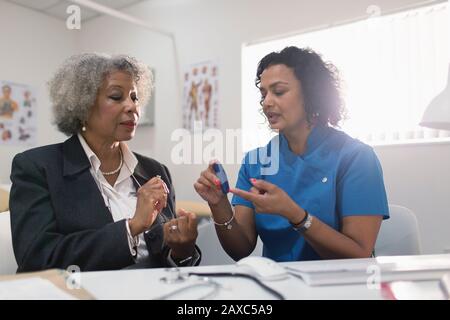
(201, 209)
(4, 197)
(146, 284)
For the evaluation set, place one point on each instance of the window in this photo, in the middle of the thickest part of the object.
(391, 66)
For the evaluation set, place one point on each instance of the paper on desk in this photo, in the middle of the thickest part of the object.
(331, 276)
(334, 267)
(351, 273)
(415, 264)
(32, 289)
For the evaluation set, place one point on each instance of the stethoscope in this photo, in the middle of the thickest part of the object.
(204, 280)
(174, 276)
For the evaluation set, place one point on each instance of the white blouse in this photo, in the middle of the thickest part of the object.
(121, 198)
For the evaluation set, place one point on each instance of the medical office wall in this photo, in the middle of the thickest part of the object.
(33, 45)
(213, 30)
(206, 30)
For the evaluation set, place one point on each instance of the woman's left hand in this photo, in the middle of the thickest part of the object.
(180, 234)
(268, 198)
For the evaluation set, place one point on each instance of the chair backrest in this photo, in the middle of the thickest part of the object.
(399, 235)
(212, 251)
(8, 263)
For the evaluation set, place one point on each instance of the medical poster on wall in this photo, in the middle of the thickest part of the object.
(200, 96)
(17, 114)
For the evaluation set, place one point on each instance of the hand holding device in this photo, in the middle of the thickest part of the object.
(220, 173)
(212, 185)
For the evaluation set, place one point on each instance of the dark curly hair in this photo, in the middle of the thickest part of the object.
(319, 80)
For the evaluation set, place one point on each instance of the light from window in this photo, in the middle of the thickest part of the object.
(391, 66)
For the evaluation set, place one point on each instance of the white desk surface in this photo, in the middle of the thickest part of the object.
(146, 284)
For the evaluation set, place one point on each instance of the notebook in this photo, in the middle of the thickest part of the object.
(345, 273)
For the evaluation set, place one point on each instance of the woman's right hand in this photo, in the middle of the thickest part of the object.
(151, 200)
(208, 186)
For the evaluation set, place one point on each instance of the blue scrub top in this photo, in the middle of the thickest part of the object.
(337, 176)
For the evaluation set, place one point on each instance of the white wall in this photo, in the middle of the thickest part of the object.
(33, 45)
(415, 176)
(206, 30)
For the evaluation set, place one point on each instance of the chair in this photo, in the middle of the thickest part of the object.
(8, 263)
(212, 251)
(399, 235)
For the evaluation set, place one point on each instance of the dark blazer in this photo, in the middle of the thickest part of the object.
(59, 217)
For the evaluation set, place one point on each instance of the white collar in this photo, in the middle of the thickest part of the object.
(128, 157)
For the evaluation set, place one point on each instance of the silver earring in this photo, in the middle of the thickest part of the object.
(83, 128)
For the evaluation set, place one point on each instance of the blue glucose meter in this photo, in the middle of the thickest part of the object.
(220, 173)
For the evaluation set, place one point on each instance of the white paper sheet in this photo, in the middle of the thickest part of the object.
(340, 273)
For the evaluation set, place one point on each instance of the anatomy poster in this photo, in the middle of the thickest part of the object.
(200, 96)
(17, 114)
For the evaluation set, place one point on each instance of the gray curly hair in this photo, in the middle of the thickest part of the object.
(74, 86)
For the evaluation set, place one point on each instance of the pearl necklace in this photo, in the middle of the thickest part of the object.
(110, 173)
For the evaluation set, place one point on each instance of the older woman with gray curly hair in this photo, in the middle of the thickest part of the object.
(90, 201)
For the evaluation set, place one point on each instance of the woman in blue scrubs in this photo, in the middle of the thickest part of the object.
(312, 192)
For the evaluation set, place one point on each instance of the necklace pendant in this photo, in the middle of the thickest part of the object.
(110, 173)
